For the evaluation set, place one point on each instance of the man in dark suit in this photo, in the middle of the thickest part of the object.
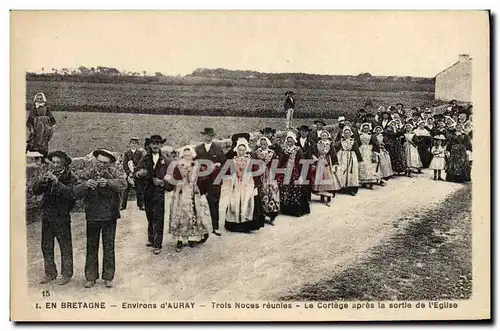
(152, 169)
(314, 135)
(213, 154)
(289, 107)
(131, 159)
(306, 145)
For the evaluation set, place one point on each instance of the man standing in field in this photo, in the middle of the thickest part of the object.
(101, 187)
(131, 159)
(152, 169)
(289, 107)
(213, 156)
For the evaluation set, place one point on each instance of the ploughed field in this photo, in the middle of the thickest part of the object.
(209, 100)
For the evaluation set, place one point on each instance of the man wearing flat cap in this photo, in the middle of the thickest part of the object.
(101, 188)
(289, 107)
(56, 185)
(211, 153)
(152, 169)
(131, 159)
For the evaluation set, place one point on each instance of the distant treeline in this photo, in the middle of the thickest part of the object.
(236, 78)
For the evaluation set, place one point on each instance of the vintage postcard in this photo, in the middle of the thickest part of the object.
(250, 165)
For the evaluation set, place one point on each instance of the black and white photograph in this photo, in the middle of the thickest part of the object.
(250, 165)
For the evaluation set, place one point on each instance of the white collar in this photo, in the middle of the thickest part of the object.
(207, 146)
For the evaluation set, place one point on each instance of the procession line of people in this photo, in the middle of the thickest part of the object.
(210, 186)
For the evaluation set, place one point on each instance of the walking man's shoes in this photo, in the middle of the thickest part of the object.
(216, 232)
(89, 284)
(149, 245)
(47, 279)
(157, 251)
(64, 280)
(108, 283)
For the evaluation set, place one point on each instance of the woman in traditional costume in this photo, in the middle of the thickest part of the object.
(412, 156)
(384, 165)
(244, 209)
(40, 125)
(189, 215)
(369, 149)
(269, 192)
(423, 140)
(348, 156)
(394, 145)
(324, 175)
(458, 168)
(294, 195)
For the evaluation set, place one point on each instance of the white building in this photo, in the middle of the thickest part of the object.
(455, 82)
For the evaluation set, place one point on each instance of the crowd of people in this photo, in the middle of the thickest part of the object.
(362, 152)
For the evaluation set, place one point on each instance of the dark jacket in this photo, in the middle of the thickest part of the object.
(159, 171)
(102, 203)
(58, 198)
(134, 156)
(307, 149)
(289, 103)
(214, 155)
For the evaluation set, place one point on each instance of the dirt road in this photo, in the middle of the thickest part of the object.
(257, 266)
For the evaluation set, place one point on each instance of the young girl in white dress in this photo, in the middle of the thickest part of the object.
(438, 161)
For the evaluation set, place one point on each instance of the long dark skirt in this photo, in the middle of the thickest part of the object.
(294, 200)
(458, 167)
(424, 150)
(256, 223)
(397, 154)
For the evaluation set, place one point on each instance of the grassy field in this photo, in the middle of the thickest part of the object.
(215, 100)
(79, 133)
(429, 260)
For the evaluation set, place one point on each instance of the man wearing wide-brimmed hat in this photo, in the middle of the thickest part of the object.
(58, 201)
(152, 169)
(213, 156)
(101, 188)
(131, 159)
(289, 106)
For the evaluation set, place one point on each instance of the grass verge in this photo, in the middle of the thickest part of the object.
(431, 259)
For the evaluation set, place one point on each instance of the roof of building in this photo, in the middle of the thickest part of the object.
(454, 64)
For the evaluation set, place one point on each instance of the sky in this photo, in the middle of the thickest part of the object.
(175, 43)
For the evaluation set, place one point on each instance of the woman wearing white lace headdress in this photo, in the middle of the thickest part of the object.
(324, 175)
(294, 196)
(423, 140)
(268, 190)
(348, 157)
(384, 161)
(413, 161)
(40, 125)
(369, 149)
(244, 209)
(189, 214)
